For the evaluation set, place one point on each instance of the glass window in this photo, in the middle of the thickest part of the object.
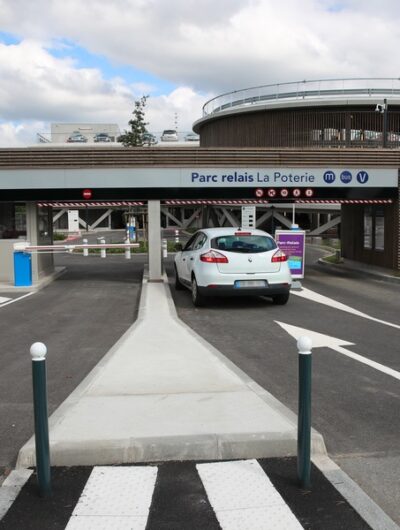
(243, 243)
(200, 240)
(189, 244)
(379, 230)
(368, 228)
(12, 220)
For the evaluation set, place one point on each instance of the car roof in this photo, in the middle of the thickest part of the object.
(230, 231)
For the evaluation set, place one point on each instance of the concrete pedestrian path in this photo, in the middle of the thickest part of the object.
(164, 393)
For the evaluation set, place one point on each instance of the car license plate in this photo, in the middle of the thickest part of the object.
(240, 284)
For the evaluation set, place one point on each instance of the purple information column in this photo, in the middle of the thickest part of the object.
(292, 243)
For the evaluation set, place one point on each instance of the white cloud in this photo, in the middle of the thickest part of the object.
(183, 101)
(19, 135)
(200, 47)
(41, 88)
(224, 45)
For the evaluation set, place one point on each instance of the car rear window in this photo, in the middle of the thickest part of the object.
(242, 243)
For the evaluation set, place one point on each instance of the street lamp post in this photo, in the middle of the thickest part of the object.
(385, 123)
(383, 109)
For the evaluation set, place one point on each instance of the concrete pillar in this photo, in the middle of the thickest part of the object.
(154, 216)
(32, 235)
(39, 232)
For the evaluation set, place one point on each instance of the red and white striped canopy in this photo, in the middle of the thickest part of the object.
(344, 201)
(91, 204)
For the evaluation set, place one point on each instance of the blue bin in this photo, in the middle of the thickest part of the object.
(22, 269)
(132, 233)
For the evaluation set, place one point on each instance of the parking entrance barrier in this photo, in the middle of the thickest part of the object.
(85, 247)
(304, 345)
(38, 353)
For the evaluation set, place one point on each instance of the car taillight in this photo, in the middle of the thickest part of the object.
(279, 256)
(242, 233)
(213, 257)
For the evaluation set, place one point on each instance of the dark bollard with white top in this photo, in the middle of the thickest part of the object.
(304, 345)
(38, 353)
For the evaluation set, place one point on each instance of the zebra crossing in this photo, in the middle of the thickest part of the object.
(261, 494)
(240, 494)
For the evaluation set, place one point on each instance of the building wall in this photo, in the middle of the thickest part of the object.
(353, 235)
(310, 127)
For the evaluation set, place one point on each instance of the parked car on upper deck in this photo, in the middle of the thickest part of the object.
(233, 262)
(102, 137)
(192, 137)
(149, 139)
(169, 135)
(77, 137)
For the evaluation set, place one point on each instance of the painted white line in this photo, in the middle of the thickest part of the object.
(321, 299)
(11, 488)
(380, 367)
(319, 340)
(115, 497)
(17, 299)
(244, 498)
(3, 299)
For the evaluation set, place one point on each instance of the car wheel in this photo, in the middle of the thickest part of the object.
(280, 299)
(178, 285)
(197, 298)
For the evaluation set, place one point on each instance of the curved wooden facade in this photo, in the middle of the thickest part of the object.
(335, 120)
(357, 126)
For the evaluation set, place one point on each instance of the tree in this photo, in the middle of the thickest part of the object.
(134, 137)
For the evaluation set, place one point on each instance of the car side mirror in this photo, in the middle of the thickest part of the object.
(178, 247)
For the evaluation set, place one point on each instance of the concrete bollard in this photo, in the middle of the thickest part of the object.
(38, 353)
(85, 250)
(103, 250)
(304, 345)
(127, 250)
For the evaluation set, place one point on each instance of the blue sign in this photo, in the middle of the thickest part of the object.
(362, 177)
(346, 177)
(329, 177)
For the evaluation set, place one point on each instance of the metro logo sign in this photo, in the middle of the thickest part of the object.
(362, 177)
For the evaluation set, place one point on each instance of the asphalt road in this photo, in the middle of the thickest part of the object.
(355, 407)
(79, 317)
(82, 314)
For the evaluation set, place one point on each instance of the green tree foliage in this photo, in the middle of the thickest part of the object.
(134, 137)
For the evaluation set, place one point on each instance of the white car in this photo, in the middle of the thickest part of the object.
(169, 135)
(232, 261)
(192, 137)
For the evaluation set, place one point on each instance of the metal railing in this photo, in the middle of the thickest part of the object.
(301, 90)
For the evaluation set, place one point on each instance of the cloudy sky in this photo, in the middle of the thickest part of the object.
(87, 61)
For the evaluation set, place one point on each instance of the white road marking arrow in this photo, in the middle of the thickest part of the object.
(325, 341)
(321, 299)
